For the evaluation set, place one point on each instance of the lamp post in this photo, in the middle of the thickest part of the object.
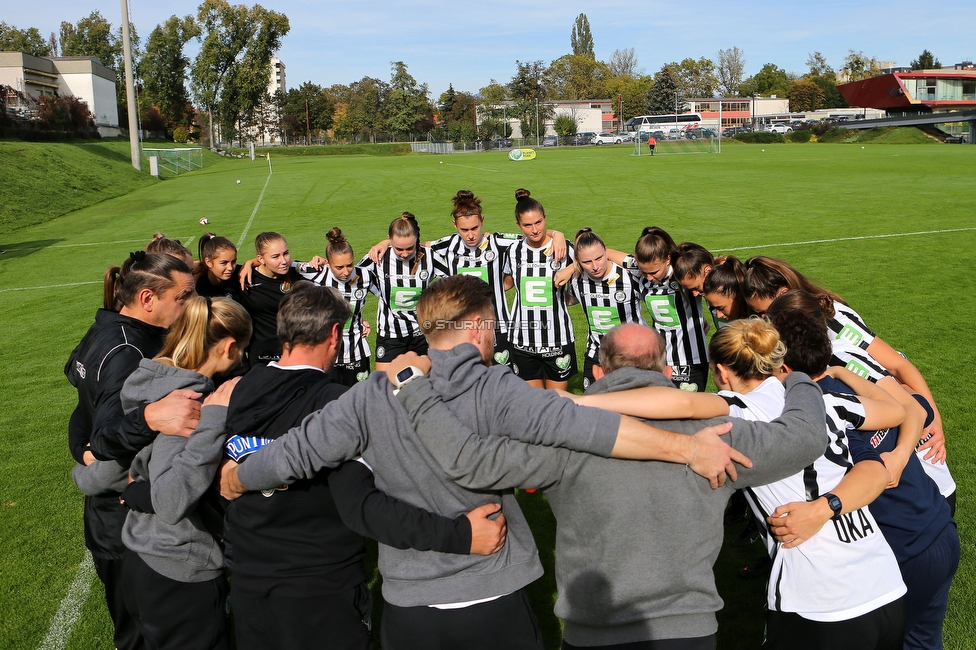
(537, 121)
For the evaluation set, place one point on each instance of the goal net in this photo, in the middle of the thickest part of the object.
(179, 160)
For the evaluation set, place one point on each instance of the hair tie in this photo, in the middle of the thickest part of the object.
(137, 256)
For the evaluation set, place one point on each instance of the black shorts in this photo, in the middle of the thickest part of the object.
(880, 629)
(588, 377)
(693, 377)
(503, 350)
(557, 363)
(349, 374)
(388, 349)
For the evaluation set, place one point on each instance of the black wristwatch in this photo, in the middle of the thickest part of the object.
(407, 375)
(834, 502)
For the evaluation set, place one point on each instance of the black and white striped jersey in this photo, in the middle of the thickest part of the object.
(486, 261)
(847, 325)
(613, 300)
(398, 285)
(539, 317)
(353, 345)
(676, 314)
(845, 570)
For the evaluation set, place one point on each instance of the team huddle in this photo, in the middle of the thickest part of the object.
(235, 450)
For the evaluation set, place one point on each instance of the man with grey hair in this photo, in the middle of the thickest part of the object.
(635, 541)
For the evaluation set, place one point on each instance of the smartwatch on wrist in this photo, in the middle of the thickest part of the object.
(407, 375)
(834, 502)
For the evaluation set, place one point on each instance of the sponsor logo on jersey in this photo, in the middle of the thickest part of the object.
(267, 493)
(680, 373)
(663, 311)
(858, 369)
(851, 334)
(536, 293)
(691, 388)
(878, 437)
(563, 362)
(80, 369)
(501, 358)
(848, 530)
(404, 298)
(362, 376)
(602, 319)
(239, 447)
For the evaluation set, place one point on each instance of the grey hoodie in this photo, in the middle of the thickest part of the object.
(368, 420)
(175, 541)
(635, 541)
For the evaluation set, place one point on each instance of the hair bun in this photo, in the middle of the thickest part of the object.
(137, 256)
(335, 235)
(464, 195)
(522, 193)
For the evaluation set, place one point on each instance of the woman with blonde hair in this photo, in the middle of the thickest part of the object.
(173, 573)
(272, 279)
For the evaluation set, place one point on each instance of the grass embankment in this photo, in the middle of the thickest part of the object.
(887, 135)
(40, 181)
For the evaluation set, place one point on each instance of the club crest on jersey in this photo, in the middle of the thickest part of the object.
(283, 288)
(501, 358)
(380, 352)
(362, 376)
(620, 296)
(490, 256)
(424, 274)
(563, 362)
(673, 285)
(360, 294)
(586, 383)
(554, 264)
(80, 369)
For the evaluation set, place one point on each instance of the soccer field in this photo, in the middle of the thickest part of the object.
(888, 227)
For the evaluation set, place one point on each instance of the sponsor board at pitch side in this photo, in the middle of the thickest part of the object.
(521, 154)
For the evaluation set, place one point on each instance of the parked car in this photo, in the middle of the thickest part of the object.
(626, 136)
(501, 143)
(780, 128)
(550, 141)
(674, 134)
(606, 138)
(586, 137)
(697, 133)
(957, 139)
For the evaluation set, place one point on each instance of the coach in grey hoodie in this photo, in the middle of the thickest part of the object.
(635, 541)
(368, 420)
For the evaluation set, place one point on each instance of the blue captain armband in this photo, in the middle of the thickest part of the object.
(239, 447)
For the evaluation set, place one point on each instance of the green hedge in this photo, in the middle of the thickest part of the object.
(386, 149)
(760, 137)
(800, 136)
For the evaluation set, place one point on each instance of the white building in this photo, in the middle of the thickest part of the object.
(81, 77)
(277, 80)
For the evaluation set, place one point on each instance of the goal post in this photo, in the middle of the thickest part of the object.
(177, 160)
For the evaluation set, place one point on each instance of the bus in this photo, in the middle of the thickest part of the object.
(662, 125)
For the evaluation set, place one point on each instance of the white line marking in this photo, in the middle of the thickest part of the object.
(828, 241)
(98, 243)
(70, 610)
(254, 212)
(51, 286)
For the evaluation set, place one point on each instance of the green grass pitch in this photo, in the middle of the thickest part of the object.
(889, 227)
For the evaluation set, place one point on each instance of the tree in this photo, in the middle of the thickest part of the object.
(407, 107)
(665, 95)
(577, 77)
(581, 39)
(828, 85)
(770, 80)
(311, 102)
(446, 101)
(634, 92)
(92, 36)
(28, 41)
(491, 108)
(858, 66)
(697, 78)
(230, 74)
(164, 66)
(731, 64)
(818, 65)
(365, 111)
(623, 63)
(564, 125)
(529, 89)
(926, 61)
(806, 96)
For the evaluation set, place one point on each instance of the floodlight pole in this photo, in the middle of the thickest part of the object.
(130, 90)
(537, 121)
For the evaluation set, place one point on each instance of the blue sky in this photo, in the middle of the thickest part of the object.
(468, 44)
